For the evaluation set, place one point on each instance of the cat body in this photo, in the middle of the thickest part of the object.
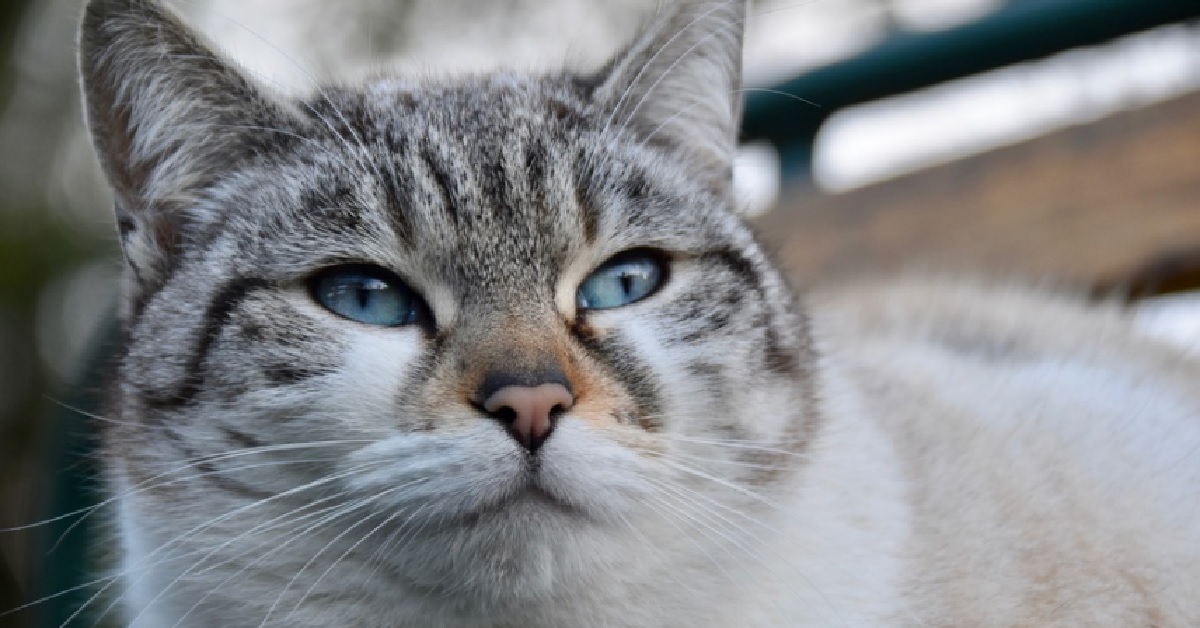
(1048, 452)
(496, 351)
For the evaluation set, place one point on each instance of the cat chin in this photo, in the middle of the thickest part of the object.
(528, 549)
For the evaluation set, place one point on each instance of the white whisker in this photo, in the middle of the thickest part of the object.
(201, 527)
(331, 542)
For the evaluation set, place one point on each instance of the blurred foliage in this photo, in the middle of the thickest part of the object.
(10, 14)
(37, 249)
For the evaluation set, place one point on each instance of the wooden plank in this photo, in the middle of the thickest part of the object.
(1113, 203)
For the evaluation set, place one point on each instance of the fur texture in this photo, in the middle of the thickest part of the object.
(947, 457)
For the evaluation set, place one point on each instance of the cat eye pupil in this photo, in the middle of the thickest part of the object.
(368, 295)
(369, 290)
(629, 277)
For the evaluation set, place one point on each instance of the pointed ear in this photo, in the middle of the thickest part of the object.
(678, 84)
(167, 116)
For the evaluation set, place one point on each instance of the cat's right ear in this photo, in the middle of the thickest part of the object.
(167, 115)
(678, 85)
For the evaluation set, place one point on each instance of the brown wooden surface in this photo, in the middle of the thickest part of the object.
(1111, 203)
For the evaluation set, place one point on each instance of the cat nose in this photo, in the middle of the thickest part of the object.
(529, 412)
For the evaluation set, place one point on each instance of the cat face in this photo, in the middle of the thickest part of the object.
(326, 298)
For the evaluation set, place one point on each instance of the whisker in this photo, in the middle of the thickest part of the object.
(391, 543)
(149, 483)
(723, 482)
(701, 550)
(332, 541)
(649, 546)
(339, 559)
(706, 505)
(756, 466)
(692, 496)
(743, 543)
(732, 444)
(262, 527)
(201, 527)
(339, 510)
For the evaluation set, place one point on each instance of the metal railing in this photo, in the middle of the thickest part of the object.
(905, 62)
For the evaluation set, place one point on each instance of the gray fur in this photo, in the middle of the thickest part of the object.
(493, 197)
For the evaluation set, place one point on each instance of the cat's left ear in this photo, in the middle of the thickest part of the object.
(678, 85)
(168, 117)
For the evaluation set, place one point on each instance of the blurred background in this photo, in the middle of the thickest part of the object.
(1056, 139)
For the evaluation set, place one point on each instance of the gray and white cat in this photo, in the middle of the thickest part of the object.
(496, 351)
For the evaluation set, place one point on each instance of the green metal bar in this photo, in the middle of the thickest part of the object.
(1021, 31)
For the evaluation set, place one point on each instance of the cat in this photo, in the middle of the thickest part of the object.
(497, 351)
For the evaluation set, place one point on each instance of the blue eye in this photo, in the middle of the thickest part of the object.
(368, 295)
(626, 278)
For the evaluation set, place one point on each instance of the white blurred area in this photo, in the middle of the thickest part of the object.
(1174, 318)
(887, 138)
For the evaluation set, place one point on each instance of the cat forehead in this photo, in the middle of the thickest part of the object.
(473, 110)
(472, 176)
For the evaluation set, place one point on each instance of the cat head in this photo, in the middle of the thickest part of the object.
(502, 321)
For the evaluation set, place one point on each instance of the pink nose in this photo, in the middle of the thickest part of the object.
(529, 411)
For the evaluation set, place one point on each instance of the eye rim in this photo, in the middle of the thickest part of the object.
(422, 316)
(661, 259)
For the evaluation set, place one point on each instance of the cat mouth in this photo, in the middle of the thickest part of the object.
(530, 499)
(532, 491)
(529, 491)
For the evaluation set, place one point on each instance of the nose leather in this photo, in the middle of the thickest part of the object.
(529, 412)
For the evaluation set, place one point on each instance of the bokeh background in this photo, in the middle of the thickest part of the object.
(1015, 137)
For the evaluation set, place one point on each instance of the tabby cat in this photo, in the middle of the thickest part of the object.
(497, 351)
